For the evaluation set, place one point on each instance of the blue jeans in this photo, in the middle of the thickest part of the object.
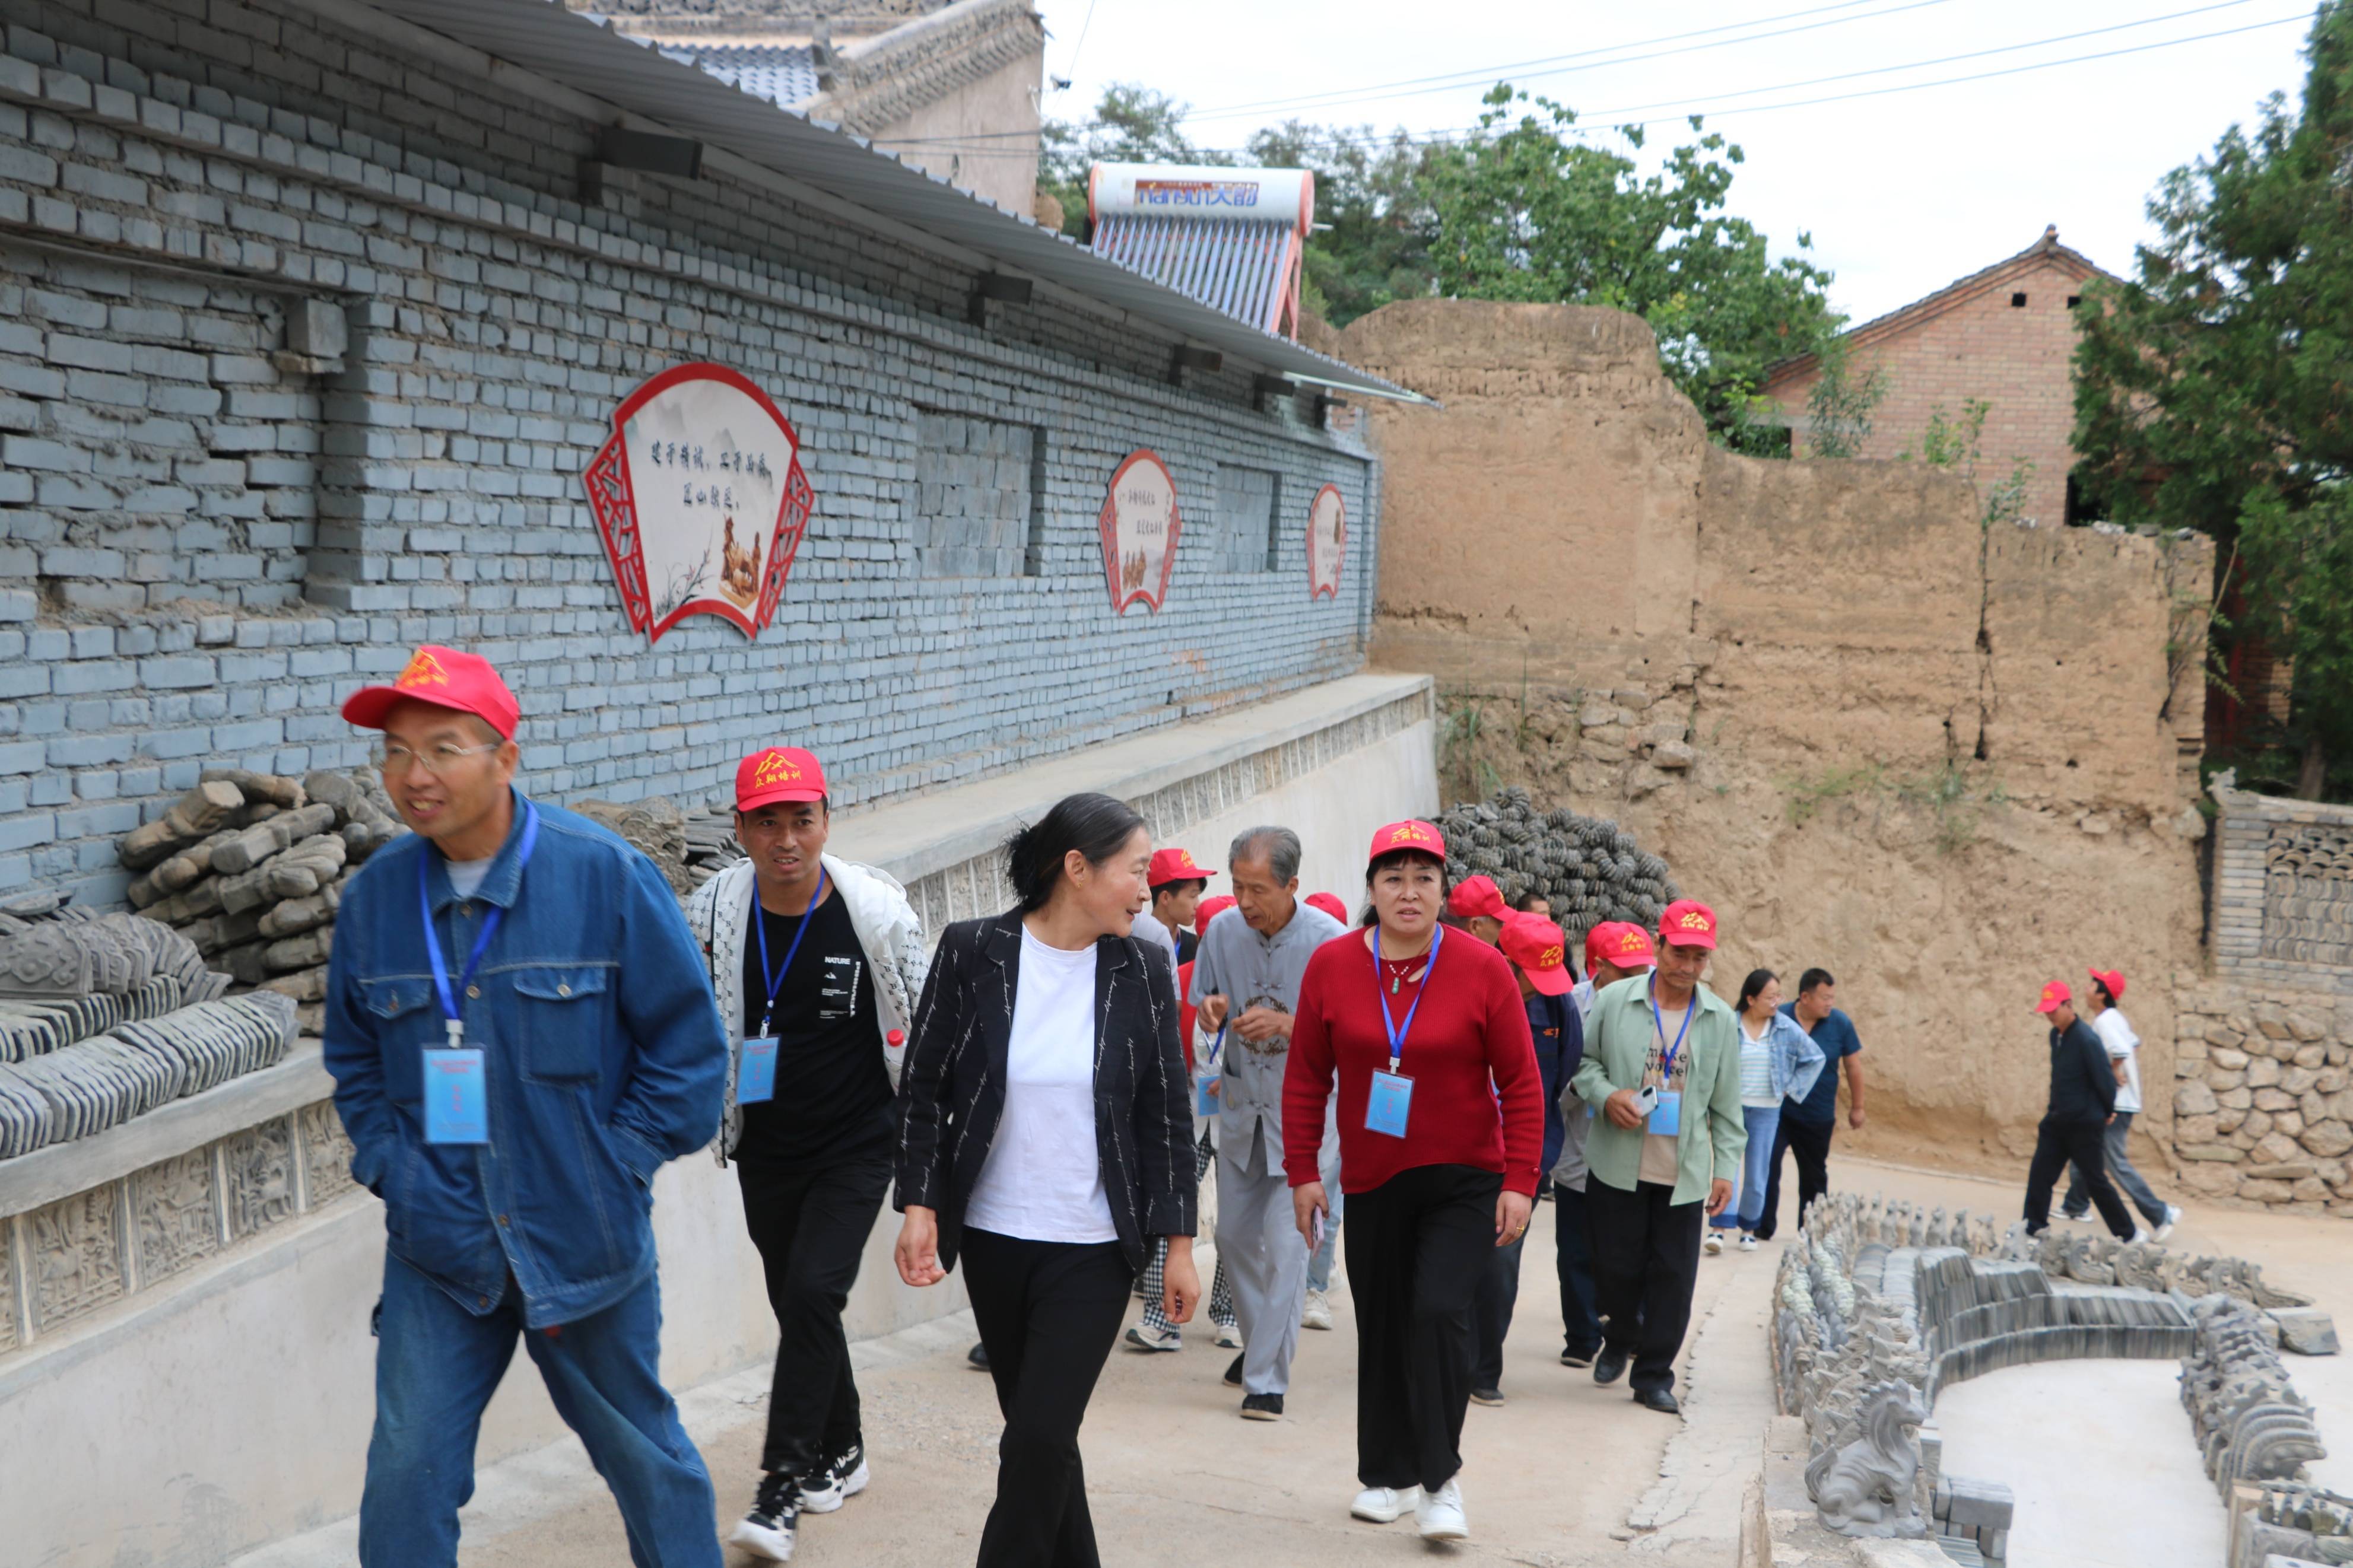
(1319, 1267)
(1747, 1207)
(436, 1365)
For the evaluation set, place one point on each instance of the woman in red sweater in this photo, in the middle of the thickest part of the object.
(1441, 1125)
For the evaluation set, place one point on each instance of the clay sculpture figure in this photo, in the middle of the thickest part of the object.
(1869, 1488)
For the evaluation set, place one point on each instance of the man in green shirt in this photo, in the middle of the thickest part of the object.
(1662, 1069)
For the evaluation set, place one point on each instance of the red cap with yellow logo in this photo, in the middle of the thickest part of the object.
(1407, 835)
(1474, 897)
(444, 677)
(1621, 944)
(1173, 866)
(780, 773)
(2054, 996)
(1687, 922)
(1541, 951)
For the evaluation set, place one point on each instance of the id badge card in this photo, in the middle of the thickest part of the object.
(1205, 1094)
(1667, 1115)
(457, 1099)
(1386, 1107)
(755, 1075)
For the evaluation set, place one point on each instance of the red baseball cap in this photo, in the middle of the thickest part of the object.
(2114, 980)
(1476, 895)
(1687, 922)
(444, 677)
(1620, 944)
(1330, 904)
(1209, 909)
(1407, 835)
(1174, 866)
(780, 773)
(2055, 996)
(1541, 951)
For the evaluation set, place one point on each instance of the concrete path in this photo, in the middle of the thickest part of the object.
(1552, 1477)
(1564, 1475)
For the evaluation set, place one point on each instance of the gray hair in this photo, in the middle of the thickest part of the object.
(1279, 845)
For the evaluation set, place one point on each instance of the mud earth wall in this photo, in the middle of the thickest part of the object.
(1945, 761)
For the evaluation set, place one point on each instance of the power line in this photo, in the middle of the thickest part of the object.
(1489, 73)
(1440, 138)
(1071, 68)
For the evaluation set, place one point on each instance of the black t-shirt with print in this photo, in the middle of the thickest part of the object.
(833, 1098)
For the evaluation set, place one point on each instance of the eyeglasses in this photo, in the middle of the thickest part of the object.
(435, 760)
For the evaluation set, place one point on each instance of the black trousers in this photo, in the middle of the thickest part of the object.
(1417, 1247)
(1572, 1234)
(1646, 1259)
(1491, 1312)
(1810, 1141)
(2057, 1144)
(1048, 1313)
(811, 1226)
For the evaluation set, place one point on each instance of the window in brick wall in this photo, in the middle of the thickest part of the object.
(1249, 501)
(2018, 301)
(2074, 300)
(979, 496)
(153, 451)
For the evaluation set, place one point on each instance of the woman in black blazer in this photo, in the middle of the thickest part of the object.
(1045, 1134)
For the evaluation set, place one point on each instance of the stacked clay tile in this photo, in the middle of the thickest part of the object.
(251, 867)
(106, 1016)
(1589, 867)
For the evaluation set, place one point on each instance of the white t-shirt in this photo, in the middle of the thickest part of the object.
(466, 876)
(2116, 1033)
(1044, 1178)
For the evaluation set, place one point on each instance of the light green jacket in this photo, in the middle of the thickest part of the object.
(1617, 1047)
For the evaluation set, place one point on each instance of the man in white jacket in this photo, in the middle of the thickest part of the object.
(817, 964)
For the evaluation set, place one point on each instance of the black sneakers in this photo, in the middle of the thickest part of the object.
(1262, 1408)
(839, 1479)
(766, 1531)
(1234, 1373)
(1610, 1365)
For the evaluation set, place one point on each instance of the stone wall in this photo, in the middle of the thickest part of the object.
(1943, 761)
(217, 518)
(2279, 910)
(2262, 1108)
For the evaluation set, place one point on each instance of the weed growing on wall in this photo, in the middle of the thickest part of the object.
(1954, 797)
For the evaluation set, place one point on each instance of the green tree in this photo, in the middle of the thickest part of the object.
(1131, 124)
(1525, 210)
(1842, 403)
(1373, 222)
(2215, 388)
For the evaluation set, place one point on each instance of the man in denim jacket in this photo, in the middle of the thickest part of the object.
(585, 1050)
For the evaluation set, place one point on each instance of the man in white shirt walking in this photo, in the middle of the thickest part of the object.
(2115, 1033)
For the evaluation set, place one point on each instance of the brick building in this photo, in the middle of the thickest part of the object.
(311, 317)
(2006, 334)
(954, 86)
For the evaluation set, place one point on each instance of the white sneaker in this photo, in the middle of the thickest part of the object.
(2084, 1218)
(766, 1532)
(1145, 1337)
(1748, 1241)
(2140, 1236)
(2172, 1218)
(1383, 1505)
(1229, 1336)
(1439, 1513)
(1316, 1311)
(1714, 1245)
(843, 1477)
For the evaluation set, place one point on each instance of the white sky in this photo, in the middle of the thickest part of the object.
(1901, 192)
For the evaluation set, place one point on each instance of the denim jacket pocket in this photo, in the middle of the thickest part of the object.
(406, 1024)
(562, 1013)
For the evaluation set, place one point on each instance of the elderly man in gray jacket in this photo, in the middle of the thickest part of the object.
(1246, 978)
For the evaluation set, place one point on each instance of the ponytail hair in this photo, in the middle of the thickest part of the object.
(1096, 826)
(1754, 987)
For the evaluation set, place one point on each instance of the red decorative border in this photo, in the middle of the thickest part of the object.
(613, 499)
(1316, 589)
(1108, 522)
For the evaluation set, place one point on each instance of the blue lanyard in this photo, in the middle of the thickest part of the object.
(1397, 1032)
(450, 1016)
(759, 918)
(1667, 1060)
(1215, 1044)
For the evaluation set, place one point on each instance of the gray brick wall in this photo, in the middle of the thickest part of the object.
(1248, 520)
(207, 539)
(978, 495)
